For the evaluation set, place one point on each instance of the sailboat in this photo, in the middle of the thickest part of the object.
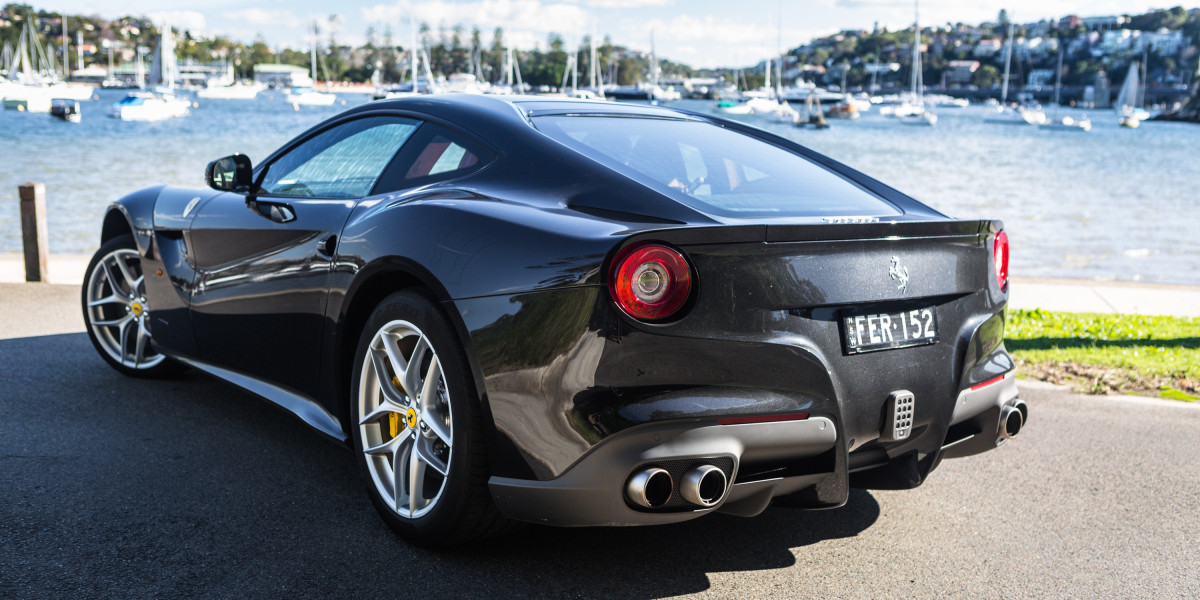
(161, 103)
(917, 113)
(227, 88)
(1003, 113)
(34, 81)
(415, 86)
(814, 116)
(307, 95)
(733, 103)
(1128, 115)
(1064, 122)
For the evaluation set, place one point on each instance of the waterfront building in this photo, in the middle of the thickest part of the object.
(987, 48)
(1104, 23)
(960, 72)
(281, 76)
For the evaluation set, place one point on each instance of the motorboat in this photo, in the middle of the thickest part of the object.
(228, 92)
(160, 102)
(1067, 123)
(1063, 122)
(150, 106)
(309, 96)
(733, 106)
(1014, 115)
(66, 110)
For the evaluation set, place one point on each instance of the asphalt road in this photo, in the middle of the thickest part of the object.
(117, 488)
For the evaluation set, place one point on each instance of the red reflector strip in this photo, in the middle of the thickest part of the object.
(765, 419)
(987, 383)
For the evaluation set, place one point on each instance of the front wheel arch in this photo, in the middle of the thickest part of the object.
(115, 225)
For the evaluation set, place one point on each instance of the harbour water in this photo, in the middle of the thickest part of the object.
(1112, 204)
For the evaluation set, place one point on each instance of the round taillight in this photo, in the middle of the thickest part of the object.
(650, 282)
(1000, 259)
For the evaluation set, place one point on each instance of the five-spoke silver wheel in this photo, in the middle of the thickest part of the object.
(406, 426)
(116, 310)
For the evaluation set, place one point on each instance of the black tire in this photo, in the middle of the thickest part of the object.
(115, 312)
(447, 509)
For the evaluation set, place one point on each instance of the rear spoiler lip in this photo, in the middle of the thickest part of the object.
(880, 230)
(819, 232)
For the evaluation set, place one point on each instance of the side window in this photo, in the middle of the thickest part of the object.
(434, 153)
(344, 161)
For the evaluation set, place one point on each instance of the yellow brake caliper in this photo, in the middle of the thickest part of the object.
(395, 420)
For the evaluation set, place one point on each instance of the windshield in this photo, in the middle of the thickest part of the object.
(714, 170)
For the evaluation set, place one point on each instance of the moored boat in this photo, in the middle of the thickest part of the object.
(149, 106)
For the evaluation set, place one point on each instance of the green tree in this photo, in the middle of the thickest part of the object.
(986, 76)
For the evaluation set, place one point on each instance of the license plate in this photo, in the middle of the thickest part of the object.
(885, 331)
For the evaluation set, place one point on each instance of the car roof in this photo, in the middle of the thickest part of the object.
(522, 107)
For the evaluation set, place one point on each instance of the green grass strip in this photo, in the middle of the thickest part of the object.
(1131, 352)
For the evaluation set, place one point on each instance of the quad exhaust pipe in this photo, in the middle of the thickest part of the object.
(1012, 419)
(653, 487)
(704, 485)
(650, 488)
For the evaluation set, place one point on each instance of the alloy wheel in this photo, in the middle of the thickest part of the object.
(117, 311)
(405, 424)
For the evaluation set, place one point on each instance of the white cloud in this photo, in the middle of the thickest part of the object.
(263, 17)
(179, 20)
(526, 23)
(625, 3)
(691, 39)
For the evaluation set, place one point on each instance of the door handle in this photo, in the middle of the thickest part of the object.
(275, 211)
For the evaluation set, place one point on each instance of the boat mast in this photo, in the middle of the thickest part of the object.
(313, 52)
(413, 52)
(1007, 62)
(1058, 79)
(66, 56)
(1141, 97)
(916, 57)
(653, 62)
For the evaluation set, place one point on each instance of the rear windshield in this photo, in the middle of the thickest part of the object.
(714, 170)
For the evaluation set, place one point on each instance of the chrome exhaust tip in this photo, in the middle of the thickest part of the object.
(704, 485)
(1012, 419)
(650, 488)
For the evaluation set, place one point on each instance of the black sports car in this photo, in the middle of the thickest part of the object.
(571, 313)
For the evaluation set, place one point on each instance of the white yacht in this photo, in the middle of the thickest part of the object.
(1012, 115)
(1128, 113)
(1063, 122)
(309, 96)
(227, 88)
(915, 112)
(149, 106)
(162, 103)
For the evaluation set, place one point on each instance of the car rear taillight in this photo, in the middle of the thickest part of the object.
(1000, 258)
(650, 282)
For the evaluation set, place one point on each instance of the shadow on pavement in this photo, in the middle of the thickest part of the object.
(116, 487)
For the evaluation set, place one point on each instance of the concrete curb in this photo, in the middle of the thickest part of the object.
(1067, 295)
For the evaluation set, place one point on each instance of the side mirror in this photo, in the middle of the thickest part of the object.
(229, 174)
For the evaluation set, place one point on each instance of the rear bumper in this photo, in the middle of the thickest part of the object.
(592, 491)
(762, 461)
(978, 413)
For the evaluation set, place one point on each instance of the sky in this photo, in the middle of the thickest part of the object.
(700, 33)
